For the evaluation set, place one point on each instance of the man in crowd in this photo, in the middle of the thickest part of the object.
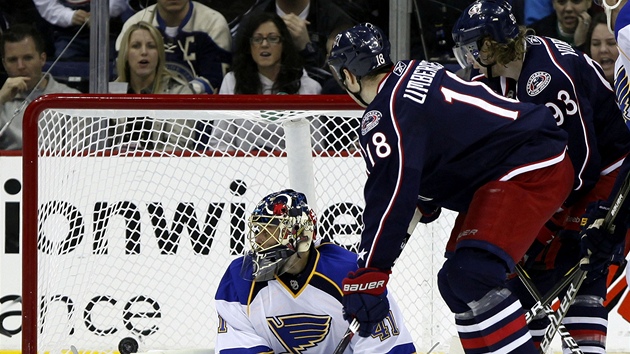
(23, 57)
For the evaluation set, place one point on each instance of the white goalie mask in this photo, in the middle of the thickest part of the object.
(280, 228)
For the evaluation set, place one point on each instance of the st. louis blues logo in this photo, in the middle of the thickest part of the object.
(299, 332)
(537, 82)
(370, 120)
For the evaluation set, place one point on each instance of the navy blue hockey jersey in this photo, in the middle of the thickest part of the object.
(430, 136)
(582, 101)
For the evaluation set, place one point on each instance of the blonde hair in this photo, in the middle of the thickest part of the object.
(513, 50)
(122, 64)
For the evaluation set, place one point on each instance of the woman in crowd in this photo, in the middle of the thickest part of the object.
(602, 46)
(141, 70)
(266, 61)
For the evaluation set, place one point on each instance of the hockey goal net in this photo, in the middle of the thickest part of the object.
(134, 206)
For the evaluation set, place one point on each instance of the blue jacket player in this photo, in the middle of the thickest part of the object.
(284, 296)
(597, 241)
(432, 140)
(550, 72)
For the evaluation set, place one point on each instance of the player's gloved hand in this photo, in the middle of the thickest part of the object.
(543, 239)
(365, 298)
(429, 212)
(596, 243)
(201, 85)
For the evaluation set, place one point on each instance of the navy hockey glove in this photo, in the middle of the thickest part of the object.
(542, 241)
(429, 212)
(596, 243)
(365, 298)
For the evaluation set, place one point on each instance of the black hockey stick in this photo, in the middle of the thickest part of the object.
(617, 203)
(568, 341)
(572, 281)
(343, 344)
(567, 300)
(574, 277)
(552, 293)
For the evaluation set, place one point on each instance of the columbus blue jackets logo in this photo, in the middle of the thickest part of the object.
(370, 120)
(537, 82)
(298, 332)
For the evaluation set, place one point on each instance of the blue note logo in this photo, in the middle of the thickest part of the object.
(299, 332)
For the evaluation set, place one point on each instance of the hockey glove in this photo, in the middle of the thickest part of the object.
(596, 243)
(365, 298)
(429, 212)
(542, 241)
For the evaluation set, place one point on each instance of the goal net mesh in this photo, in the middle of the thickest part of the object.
(142, 204)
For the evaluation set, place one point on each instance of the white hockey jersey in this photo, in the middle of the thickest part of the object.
(622, 65)
(299, 313)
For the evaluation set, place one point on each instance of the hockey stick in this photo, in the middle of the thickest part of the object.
(577, 277)
(620, 198)
(568, 341)
(354, 325)
(567, 300)
(343, 344)
(552, 294)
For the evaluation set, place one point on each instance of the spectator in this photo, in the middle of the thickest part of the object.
(569, 22)
(141, 66)
(266, 62)
(331, 86)
(197, 40)
(310, 22)
(68, 17)
(602, 46)
(23, 57)
(341, 131)
(296, 280)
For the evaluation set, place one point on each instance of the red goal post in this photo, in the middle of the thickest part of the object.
(133, 206)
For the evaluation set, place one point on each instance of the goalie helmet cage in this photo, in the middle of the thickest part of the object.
(134, 206)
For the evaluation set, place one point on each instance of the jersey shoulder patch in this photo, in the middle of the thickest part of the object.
(537, 82)
(370, 121)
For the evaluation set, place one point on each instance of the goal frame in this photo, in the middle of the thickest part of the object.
(121, 101)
